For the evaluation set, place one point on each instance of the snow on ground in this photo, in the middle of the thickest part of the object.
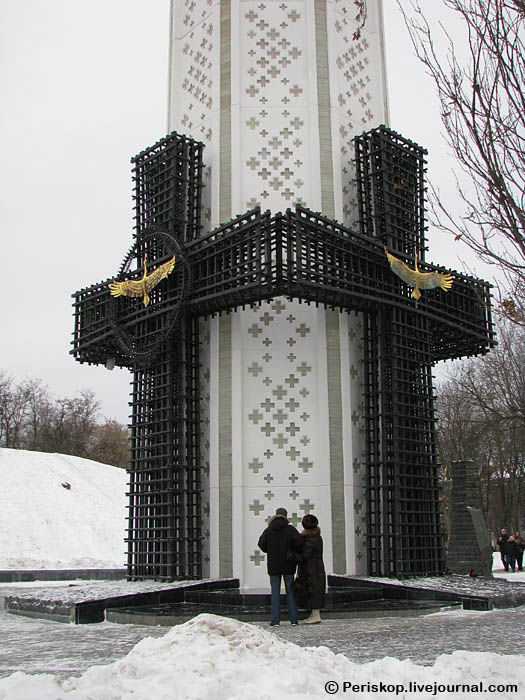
(47, 526)
(82, 590)
(214, 658)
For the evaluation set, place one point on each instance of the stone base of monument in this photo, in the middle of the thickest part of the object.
(254, 606)
(156, 603)
(26, 575)
(87, 602)
(347, 597)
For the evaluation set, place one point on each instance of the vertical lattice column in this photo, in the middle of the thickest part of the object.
(193, 471)
(168, 187)
(373, 450)
(404, 531)
(390, 174)
(156, 521)
(164, 537)
(416, 520)
(164, 532)
(403, 501)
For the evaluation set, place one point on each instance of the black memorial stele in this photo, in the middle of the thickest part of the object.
(301, 255)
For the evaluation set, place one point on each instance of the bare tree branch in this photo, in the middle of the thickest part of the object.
(482, 101)
(31, 419)
(481, 412)
(360, 18)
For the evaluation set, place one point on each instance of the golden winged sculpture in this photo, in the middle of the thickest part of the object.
(415, 278)
(140, 288)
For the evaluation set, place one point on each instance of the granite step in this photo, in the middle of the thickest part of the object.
(262, 597)
(168, 615)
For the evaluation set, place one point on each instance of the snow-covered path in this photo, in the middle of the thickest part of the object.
(212, 658)
(41, 646)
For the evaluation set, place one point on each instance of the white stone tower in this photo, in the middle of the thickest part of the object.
(276, 91)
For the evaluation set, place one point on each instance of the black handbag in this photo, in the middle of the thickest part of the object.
(302, 589)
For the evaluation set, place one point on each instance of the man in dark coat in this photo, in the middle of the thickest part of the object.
(511, 551)
(502, 543)
(280, 541)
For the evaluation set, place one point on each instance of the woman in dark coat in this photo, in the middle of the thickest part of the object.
(502, 544)
(311, 569)
(520, 548)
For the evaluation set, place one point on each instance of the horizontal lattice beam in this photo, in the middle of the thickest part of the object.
(300, 255)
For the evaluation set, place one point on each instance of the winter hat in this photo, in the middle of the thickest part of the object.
(309, 522)
(281, 511)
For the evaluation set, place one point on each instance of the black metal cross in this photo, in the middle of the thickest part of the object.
(301, 255)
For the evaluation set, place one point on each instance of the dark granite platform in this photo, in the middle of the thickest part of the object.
(168, 615)
(480, 593)
(156, 603)
(24, 575)
(86, 603)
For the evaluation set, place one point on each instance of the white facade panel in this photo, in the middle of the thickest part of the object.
(270, 62)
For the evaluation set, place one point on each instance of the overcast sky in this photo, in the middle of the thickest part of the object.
(83, 87)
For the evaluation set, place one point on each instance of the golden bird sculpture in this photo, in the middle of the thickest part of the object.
(415, 278)
(140, 288)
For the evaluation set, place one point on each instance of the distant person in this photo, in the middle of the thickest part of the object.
(311, 569)
(510, 554)
(520, 547)
(502, 544)
(281, 542)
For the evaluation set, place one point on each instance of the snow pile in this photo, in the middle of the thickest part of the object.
(48, 526)
(214, 658)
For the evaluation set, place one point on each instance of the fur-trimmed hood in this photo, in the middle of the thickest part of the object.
(310, 533)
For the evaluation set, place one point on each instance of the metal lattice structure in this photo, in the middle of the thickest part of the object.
(168, 187)
(301, 255)
(403, 514)
(390, 174)
(164, 490)
(160, 344)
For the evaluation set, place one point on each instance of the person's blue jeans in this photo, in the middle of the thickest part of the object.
(275, 583)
